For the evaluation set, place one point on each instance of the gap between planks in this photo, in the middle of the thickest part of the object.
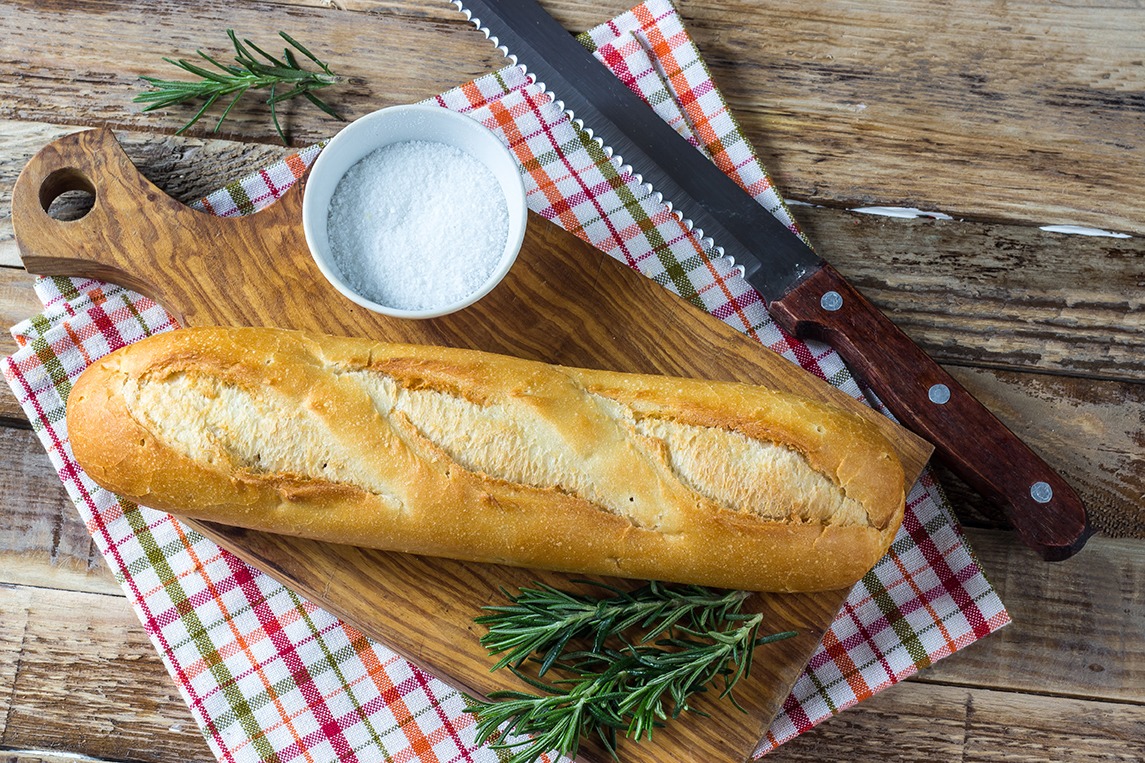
(923, 678)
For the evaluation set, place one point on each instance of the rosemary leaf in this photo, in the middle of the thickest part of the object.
(247, 73)
(273, 61)
(543, 618)
(325, 108)
(298, 46)
(199, 114)
(687, 640)
(230, 106)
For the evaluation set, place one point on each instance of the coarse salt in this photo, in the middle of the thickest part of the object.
(417, 225)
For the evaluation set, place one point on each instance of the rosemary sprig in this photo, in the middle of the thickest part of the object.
(574, 708)
(249, 72)
(630, 688)
(545, 619)
(689, 666)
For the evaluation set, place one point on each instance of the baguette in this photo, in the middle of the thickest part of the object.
(489, 458)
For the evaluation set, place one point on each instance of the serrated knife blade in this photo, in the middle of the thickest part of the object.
(804, 294)
(711, 201)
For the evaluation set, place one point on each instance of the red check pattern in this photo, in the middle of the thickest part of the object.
(270, 676)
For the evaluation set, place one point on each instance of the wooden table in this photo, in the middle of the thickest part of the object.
(994, 118)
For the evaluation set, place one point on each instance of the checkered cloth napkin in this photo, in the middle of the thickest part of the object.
(270, 676)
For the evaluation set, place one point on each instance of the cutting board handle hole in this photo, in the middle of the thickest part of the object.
(67, 194)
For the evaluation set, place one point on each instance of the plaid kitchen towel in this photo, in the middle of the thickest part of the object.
(271, 677)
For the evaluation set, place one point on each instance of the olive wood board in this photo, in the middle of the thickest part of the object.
(562, 302)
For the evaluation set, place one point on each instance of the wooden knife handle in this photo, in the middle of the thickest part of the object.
(1046, 512)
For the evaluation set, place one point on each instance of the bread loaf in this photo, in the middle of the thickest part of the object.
(490, 458)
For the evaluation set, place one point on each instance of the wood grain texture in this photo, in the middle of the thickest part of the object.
(914, 722)
(1012, 297)
(1094, 434)
(363, 49)
(185, 168)
(1024, 112)
(17, 302)
(962, 709)
(42, 541)
(1076, 628)
(47, 756)
(1019, 111)
(563, 302)
(21, 140)
(66, 656)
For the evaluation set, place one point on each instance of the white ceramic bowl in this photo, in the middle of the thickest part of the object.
(398, 124)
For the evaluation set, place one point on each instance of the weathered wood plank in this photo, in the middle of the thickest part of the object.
(21, 141)
(49, 756)
(13, 626)
(912, 722)
(81, 657)
(1035, 106)
(17, 302)
(43, 543)
(85, 656)
(1077, 625)
(1006, 296)
(1019, 110)
(1093, 433)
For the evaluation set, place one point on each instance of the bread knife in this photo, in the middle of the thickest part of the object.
(804, 294)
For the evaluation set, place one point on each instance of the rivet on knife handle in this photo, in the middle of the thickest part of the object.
(1042, 507)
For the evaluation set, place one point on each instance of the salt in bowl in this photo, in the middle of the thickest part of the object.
(408, 140)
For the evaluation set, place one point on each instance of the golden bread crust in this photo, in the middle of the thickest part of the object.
(329, 438)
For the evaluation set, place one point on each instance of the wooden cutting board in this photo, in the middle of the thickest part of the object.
(563, 302)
